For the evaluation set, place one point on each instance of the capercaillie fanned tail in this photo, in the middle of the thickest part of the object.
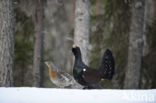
(107, 66)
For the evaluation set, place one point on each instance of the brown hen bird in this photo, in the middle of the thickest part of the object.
(61, 79)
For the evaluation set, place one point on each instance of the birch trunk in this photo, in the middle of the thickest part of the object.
(6, 43)
(132, 77)
(82, 25)
(38, 47)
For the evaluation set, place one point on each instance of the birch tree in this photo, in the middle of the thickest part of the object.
(38, 46)
(6, 43)
(82, 23)
(132, 77)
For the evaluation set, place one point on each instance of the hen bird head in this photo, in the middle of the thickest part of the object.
(51, 66)
(76, 51)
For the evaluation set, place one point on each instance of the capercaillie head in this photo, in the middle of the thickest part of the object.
(76, 51)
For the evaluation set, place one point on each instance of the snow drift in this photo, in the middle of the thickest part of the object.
(53, 95)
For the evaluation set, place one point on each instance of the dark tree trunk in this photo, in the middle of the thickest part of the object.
(132, 76)
(154, 10)
(6, 43)
(38, 47)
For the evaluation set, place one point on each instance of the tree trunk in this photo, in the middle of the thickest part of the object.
(38, 47)
(73, 11)
(147, 22)
(153, 10)
(132, 77)
(82, 23)
(6, 43)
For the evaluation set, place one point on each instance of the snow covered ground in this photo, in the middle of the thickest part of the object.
(53, 95)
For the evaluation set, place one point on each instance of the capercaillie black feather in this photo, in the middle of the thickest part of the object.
(90, 77)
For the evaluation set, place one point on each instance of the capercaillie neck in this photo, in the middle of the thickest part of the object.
(78, 69)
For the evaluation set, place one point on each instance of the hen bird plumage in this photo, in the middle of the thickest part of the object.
(89, 77)
(61, 79)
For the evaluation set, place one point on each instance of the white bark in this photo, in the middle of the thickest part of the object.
(6, 43)
(82, 25)
(132, 77)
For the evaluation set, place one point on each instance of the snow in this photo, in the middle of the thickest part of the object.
(54, 95)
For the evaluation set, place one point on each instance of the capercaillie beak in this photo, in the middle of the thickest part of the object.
(47, 63)
(74, 46)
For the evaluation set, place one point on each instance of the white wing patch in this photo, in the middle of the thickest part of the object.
(84, 69)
